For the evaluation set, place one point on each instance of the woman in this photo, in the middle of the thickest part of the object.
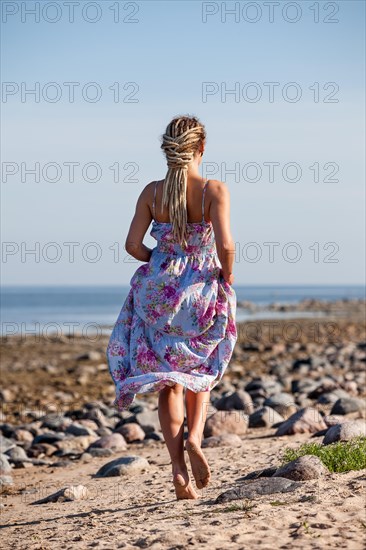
(176, 328)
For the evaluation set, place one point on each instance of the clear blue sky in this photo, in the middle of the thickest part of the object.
(169, 52)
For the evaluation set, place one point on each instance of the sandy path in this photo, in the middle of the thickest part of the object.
(141, 511)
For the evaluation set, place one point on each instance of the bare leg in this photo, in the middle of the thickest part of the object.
(197, 405)
(171, 416)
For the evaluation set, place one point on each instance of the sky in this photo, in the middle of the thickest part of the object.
(278, 85)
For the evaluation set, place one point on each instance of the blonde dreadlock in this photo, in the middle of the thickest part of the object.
(182, 139)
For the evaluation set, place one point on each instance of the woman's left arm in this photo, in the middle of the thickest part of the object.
(139, 225)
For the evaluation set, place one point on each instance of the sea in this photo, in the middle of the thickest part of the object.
(88, 309)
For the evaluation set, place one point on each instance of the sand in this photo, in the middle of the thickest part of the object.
(141, 511)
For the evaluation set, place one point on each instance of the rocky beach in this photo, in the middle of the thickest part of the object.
(77, 473)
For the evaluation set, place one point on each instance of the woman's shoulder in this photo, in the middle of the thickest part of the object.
(217, 188)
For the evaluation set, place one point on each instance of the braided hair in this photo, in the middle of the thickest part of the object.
(182, 139)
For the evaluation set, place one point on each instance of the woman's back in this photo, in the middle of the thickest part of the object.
(197, 195)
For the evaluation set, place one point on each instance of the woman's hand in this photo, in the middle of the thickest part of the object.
(229, 279)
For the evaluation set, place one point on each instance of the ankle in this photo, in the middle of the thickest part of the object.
(194, 439)
(179, 467)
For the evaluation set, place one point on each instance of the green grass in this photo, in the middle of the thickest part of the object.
(342, 456)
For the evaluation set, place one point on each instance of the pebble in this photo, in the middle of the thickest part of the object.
(307, 420)
(89, 356)
(302, 468)
(70, 493)
(125, 465)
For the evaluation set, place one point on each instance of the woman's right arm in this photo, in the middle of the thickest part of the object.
(220, 218)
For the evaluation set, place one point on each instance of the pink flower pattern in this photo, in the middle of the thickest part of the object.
(177, 324)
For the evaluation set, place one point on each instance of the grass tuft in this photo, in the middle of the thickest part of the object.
(342, 456)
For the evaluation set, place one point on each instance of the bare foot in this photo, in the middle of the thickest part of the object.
(183, 486)
(200, 468)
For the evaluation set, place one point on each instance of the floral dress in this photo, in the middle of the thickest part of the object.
(177, 324)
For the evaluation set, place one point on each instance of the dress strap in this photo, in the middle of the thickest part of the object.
(203, 201)
(153, 204)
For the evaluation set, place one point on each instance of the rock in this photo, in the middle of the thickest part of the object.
(264, 418)
(21, 434)
(265, 472)
(225, 440)
(131, 432)
(6, 395)
(123, 466)
(258, 487)
(239, 400)
(89, 356)
(17, 454)
(49, 437)
(302, 468)
(74, 445)
(224, 422)
(345, 431)
(70, 493)
(4, 481)
(351, 387)
(5, 444)
(55, 421)
(302, 366)
(149, 421)
(348, 405)
(263, 388)
(307, 420)
(283, 403)
(42, 449)
(78, 429)
(5, 467)
(87, 423)
(98, 417)
(113, 441)
(329, 398)
(332, 420)
(97, 452)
